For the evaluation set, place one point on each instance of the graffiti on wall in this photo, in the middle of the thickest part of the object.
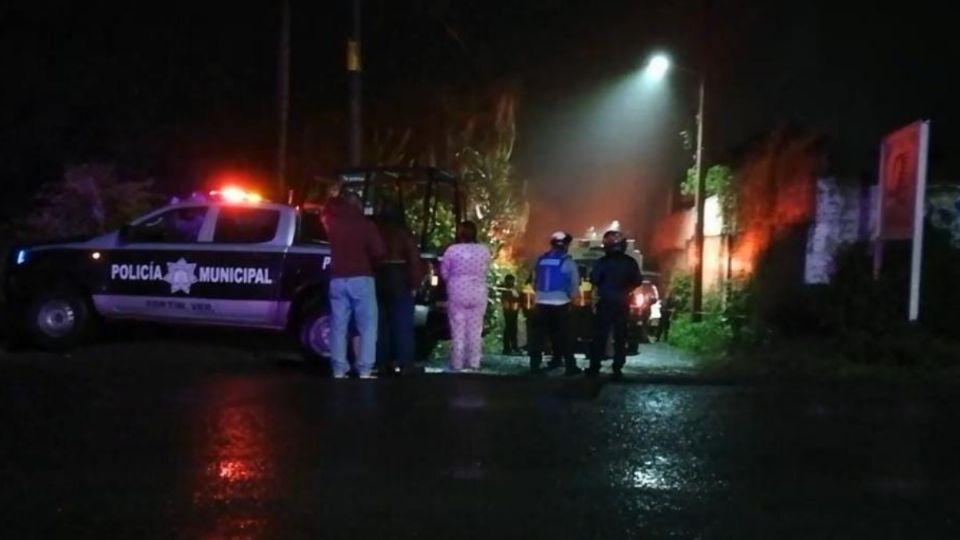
(847, 214)
(844, 214)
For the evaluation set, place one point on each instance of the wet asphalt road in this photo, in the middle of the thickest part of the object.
(179, 440)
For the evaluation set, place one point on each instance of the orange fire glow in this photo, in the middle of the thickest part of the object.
(777, 191)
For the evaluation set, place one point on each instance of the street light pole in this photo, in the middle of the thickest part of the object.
(656, 69)
(355, 75)
(697, 303)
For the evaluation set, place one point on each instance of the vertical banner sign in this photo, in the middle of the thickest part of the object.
(901, 195)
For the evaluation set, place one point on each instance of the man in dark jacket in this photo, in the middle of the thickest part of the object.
(355, 249)
(615, 276)
(398, 277)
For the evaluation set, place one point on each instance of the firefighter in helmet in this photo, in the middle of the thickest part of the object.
(615, 276)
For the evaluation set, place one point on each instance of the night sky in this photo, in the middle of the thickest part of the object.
(177, 91)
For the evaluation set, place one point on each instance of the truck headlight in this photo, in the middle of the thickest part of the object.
(21, 256)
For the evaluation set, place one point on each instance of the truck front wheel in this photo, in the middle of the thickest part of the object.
(58, 320)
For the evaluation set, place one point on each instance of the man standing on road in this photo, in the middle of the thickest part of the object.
(510, 300)
(398, 277)
(355, 249)
(527, 305)
(666, 313)
(557, 282)
(651, 295)
(615, 276)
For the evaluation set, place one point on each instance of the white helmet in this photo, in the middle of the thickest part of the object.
(560, 239)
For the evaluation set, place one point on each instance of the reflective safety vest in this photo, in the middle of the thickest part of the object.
(550, 275)
(529, 297)
(510, 298)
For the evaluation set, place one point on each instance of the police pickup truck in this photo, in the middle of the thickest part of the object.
(230, 260)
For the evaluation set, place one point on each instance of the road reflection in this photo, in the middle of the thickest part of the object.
(657, 473)
(238, 474)
(656, 440)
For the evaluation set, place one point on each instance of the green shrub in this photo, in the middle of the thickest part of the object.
(681, 290)
(729, 321)
(863, 319)
(711, 337)
(856, 321)
(939, 293)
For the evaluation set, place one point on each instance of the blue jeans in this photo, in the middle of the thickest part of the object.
(353, 297)
(396, 342)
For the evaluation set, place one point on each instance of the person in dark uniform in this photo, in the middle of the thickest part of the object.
(527, 303)
(615, 276)
(557, 282)
(510, 300)
(397, 277)
(666, 313)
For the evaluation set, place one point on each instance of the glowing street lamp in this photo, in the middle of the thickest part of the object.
(656, 69)
(658, 66)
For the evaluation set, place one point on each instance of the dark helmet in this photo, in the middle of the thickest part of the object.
(560, 240)
(614, 242)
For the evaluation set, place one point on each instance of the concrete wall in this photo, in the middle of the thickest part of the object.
(673, 244)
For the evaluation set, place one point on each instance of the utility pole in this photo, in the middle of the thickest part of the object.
(697, 303)
(701, 196)
(354, 73)
(283, 100)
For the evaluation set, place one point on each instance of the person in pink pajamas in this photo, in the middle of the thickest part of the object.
(464, 268)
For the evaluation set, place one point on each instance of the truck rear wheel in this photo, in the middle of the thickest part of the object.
(58, 320)
(314, 332)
